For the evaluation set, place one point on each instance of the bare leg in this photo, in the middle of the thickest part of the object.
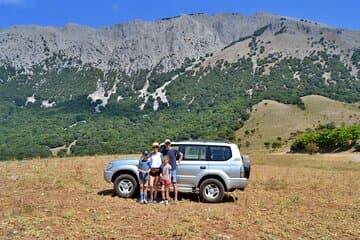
(163, 192)
(155, 186)
(152, 180)
(175, 191)
(168, 192)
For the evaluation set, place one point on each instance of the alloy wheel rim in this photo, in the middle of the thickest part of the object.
(212, 191)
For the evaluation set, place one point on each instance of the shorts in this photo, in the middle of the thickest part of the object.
(143, 181)
(155, 172)
(173, 175)
(165, 182)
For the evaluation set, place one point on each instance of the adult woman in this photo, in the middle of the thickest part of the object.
(156, 161)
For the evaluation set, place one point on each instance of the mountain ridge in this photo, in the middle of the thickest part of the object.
(193, 76)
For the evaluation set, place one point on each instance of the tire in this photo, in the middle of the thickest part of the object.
(247, 166)
(211, 191)
(125, 185)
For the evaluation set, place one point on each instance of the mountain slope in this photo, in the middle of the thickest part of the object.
(271, 121)
(191, 76)
(127, 60)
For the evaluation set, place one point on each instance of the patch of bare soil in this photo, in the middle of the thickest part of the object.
(288, 197)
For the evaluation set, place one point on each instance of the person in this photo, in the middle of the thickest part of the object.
(165, 176)
(156, 161)
(175, 158)
(144, 169)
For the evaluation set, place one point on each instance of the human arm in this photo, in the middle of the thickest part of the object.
(181, 155)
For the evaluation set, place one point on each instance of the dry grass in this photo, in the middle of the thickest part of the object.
(289, 197)
(270, 120)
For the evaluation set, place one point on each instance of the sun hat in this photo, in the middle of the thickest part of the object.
(167, 141)
(155, 144)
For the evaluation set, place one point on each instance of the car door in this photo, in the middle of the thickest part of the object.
(219, 159)
(193, 165)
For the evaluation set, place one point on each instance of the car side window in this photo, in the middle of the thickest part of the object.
(219, 153)
(194, 153)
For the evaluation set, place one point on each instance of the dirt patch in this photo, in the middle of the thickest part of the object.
(289, 197)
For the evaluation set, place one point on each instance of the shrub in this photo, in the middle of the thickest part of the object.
(327, 139)
(357, 145)
(312, 148)
(276, 145)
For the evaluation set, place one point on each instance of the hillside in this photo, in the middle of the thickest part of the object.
(190, 76)
(271, 121)
(68, 199)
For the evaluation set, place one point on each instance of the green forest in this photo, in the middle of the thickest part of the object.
(206, 103)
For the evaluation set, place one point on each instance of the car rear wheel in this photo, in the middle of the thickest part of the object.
(125, 185)
(211, 191)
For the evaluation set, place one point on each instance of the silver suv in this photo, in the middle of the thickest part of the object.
(209, 167)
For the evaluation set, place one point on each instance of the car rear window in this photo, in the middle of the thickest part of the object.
(193, 152)
(219, 153)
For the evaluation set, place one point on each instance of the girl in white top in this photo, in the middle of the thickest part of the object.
(156, 161)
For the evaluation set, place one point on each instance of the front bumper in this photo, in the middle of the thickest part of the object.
(108, 175)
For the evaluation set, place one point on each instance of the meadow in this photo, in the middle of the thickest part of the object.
(289, 196)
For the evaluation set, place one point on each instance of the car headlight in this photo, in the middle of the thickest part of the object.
(109, 166)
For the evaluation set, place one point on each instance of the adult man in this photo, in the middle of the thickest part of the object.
(175, 158)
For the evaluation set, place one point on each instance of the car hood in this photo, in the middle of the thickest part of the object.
(125, 161)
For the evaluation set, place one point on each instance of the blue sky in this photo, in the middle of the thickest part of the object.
(97, 13)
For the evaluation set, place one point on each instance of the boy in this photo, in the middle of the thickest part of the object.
(144, 169)
(175, 158)
(165, 180)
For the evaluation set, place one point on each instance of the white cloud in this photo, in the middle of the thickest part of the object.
(11, 2)
(115, 7)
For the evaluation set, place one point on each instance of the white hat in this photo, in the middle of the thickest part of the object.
(167, 141)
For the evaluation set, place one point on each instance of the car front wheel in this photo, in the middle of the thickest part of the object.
(211, 191)
(125, 185)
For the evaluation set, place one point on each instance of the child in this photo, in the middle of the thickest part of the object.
(165, 180)
(144, 169)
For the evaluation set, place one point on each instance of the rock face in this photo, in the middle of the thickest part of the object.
(44, 60)
(142, 45)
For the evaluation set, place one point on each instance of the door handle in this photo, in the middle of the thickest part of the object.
(202, 167)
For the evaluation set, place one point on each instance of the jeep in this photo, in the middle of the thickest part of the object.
(210, 168)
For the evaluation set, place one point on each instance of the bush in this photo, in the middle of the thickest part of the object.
(357, 146)
(276, 145)
(327, 139)
(312, 148)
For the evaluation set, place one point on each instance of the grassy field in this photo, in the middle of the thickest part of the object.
(271, 121)
(289, 197)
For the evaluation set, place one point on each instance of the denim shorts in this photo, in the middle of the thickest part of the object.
(173, 175)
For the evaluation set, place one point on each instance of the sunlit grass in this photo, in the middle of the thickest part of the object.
(288, 197)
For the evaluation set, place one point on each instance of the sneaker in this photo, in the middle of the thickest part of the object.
(144, 202)
(162, 202)
(155, 200)
(174, 201)
(166, 202)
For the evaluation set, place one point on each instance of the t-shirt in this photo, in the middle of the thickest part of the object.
(166, 170)
(173, 154)
(156, 160)
(144, 165)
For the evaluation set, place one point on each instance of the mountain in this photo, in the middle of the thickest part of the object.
(190, 76)
(273, 125)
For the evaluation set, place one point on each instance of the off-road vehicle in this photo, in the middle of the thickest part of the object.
(208, 167)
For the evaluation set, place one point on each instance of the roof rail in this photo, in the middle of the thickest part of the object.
(202, 140)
